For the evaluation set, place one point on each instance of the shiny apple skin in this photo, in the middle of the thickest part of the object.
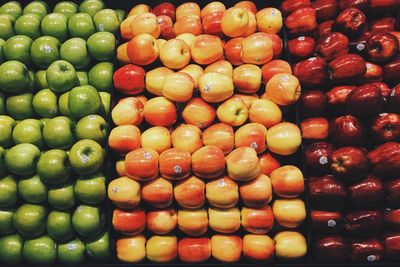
(385, 127)
(347, 130)
(366, 250)
(323, 29)
(312, 72)
(349, 163)
(391, 242)
(301, 21)
(332, 45)
(347, 68)
(381, 47)
(327, 193)
(366, 223)
(288, 6)
(317, 158)
(391, 218)
(337, 97)
(360, 4)
(393, 193)
(383, 25)
(331, 249)
(301, 47)
(325, 9)
(394, 100)
(350, 22)
(369, 193)
(326, 222)
(366, 99)
(391, 72)
(312, 103)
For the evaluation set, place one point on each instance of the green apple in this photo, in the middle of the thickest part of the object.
(20, 106)
(83, 77)
(9, 191)
(53, 167)
(81, 25)
(6, 221)
(32, 190)
(86, 156)
(28, 131)
(62, 196)
(101, 46)
(58, 133)
(11, 249)
(101, 76)
(6, 26)
(91, 189)
(30, 219)
(91, 127)
(63, 105)
(31, 84)
(105, 104)
(67, 8)
(21, 159)
(56, 25)
(40, 80)
(106, 20)
(45, 103)
(98, 248)
(2, 164)
(44, 121)
(88, 221)
(14, 77)
(2, 104)
(72, 252)
(75, 52)
(45, 50)
(83, 100)
(41, 251)
(37, 7)
(59, 226)
(91, 6)
(17, 48)
(2, 43)
(61, 76)
(7, 125)
(121, 14)
(29, 25)
(12, 8)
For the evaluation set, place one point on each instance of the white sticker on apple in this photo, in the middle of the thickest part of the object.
(254, 145)
(371, 258)
(177, 169)
(360, 47)
(331, 223)
(323, 160)
(146, 155)
(222, 183)
(71, 247)
(301, 38)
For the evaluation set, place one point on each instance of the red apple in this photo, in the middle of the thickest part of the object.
(208, 162)
(381, 47)
(166, 9)
(369, 193)
(360, 4)
(363, 223)
(268, 163)
(332, 45)
(349, 163)
(385, 159)
(391, 70)
(317, 158)
(386, 24)
(314, 129)
(301, 47)
(233, 51)
(386, 127)
(311, 72)
(131, 222)
(391, 242)
(383, 7)
(142, 164)
(158, 193)
(301, 21)
(374, 72)
(327, 193)
(385, 89)
(288, 6)
(325, 9)
(366, 99)
(175, 164)
(256, 193)
(366, 250)
(393, 192)
(337, 97)
(347, 68)
(391, 218)
(348, 130)
(350, 22)
(326, 222)
(259, 248)
(274, 67)
(323, 29)
(220, 135)
(194, 250)
(312, 103)
(129, 79)
(190, 193)
(167, 27)
(257, 220)
(394, 100)
(331, 249)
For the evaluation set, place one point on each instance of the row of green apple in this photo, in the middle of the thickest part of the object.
(67, 19)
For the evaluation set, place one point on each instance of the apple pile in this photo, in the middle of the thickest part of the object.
(199, 137)
(347, 55)
(55, 82)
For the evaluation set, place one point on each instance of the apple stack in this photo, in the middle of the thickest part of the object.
(196, 139)
(351, 124)
(52, 129)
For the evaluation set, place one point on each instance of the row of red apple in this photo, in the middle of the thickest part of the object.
(224, 248)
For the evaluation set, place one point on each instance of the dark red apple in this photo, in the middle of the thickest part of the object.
(393, 193)
(312, 103)
(368, 193)
(391, 218)
(326, 222)
(325, 9)
(360, 4)
(166, 9)
(386, 127)
(374, 73)
(323, 29)
(348, 130)
(337, 97)
(311, 72)
(301, 47)
(391, 72)
(381, 47)
(327, 193)
(385, 160)
(385, 89)
(394, 100)
(366, 99)
(392, 246)
(347, 68)
(331, 249)
(317, 158)
(383, 7)
(332, 45)
(364, 223)
(383, 25)
(288, 6)
(366, 250)
(351, 22)
(301, 21)
(349, 163)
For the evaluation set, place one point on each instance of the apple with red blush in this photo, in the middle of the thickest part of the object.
(317, 158)
(348, 130)
(349, 163)
(327, 193)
